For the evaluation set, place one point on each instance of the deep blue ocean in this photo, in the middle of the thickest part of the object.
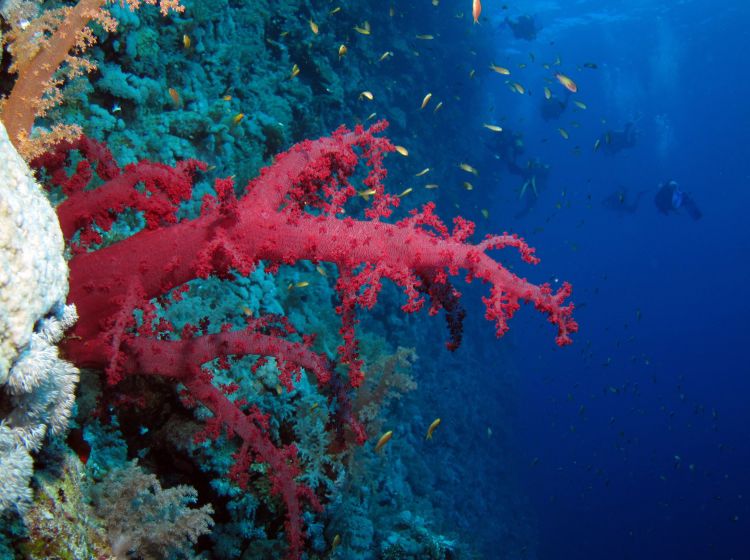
(633, 441)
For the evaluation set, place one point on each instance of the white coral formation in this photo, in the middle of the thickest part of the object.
(36, 385)
(33, 273)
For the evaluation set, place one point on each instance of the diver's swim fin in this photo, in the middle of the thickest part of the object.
(692, 209)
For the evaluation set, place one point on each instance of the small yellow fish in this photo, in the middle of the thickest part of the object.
(515, 86)
(558, 62)
(522, 65)
(547, 93)
(468, 168)
(364, 29)
(435, 424)
(227, 98)
(597, 143)
(406, 191)
(237, 118)
(493, 127)
(403, 151)
(468, 186)
(425, 171)
(186, 42)
(471, 73)
(371, 116)
(302, 284)
(425, 101)
(485, 213)
(563, 133)
(431, 186)
(294, 72)
(342, 51)
(569, 84)
(337, 538)
(437, 107)
(321, 270)
(500, 70)
(314, 27)
(367, 95)
(385, 438)
(336, 10)
(580, 104)
(386, 54)
(476, 9)
(247, 311)
(367, 193)
(175, 97)
(426, 37)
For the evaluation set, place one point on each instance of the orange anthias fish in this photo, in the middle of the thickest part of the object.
(476, 9)
(431, 429)
(569, 84)
(385, 438)
(175, 97)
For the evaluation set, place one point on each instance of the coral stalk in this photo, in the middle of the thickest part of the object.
(35, 76)
(291, 212)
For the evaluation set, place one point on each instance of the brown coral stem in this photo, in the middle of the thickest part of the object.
(19, 109)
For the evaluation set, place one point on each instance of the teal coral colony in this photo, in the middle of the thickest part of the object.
(214, 300)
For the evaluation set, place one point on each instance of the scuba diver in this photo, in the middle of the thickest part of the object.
(618, 201)
(614, 141)
(524, 27)
(553, 107)
(535, 175)
(511, 147)
(669, 198)
(507, 147)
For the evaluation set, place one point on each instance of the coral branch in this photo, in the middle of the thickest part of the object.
(292, 212)
(35, 77)
(40, 49)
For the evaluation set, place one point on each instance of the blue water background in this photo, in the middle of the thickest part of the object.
(633, 441)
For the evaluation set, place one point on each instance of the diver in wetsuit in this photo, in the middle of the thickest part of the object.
(669, 198)
(553, 108)
(535, 175)
(614, 141)
(524, 27)
(621, 202)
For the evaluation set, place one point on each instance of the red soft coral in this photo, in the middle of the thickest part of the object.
(295, 210)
